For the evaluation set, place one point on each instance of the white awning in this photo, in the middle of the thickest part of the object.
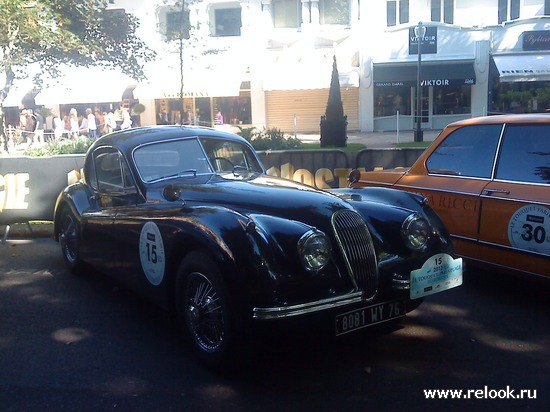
(86, 85)
(199, 83)
(18, 91)
(523, 68)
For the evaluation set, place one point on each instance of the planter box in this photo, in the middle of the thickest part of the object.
(334, 132)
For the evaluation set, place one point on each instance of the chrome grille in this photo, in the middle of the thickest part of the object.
(355, 242)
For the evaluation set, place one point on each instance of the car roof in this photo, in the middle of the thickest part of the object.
(504, 118)
(127, 140)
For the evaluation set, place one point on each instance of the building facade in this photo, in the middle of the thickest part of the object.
(268, 63)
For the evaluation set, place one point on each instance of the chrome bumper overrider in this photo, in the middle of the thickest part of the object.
(305, 308)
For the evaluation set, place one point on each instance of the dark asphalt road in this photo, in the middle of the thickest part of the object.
(84, 344)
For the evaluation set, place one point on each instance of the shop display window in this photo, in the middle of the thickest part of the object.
(388, 100)
(520, 97)
(452, 100)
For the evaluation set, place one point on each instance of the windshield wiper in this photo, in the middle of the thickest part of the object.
(179, 174)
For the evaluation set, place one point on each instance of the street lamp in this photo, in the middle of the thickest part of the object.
(419, 32)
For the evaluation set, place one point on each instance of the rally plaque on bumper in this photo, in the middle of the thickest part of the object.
(370, 315)
(439, 273)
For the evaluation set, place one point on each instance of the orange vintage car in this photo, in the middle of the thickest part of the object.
(488, 178)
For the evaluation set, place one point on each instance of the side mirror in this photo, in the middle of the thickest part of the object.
(171, 193)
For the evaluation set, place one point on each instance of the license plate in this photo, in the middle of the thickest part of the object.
(439, 273)
(370, 315)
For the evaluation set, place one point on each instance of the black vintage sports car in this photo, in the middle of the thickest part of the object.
(188, 217)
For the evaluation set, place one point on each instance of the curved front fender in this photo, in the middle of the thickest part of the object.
(77, 198)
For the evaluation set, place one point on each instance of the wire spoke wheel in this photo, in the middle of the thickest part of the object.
(208, 312)
(68, 239)
(204, 312)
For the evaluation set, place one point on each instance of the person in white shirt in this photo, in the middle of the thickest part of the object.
(73, 121)
(92, 126)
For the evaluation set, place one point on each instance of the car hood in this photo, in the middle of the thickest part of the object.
(263, 194)
(384, 177)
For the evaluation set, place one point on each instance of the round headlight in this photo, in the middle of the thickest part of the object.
(416, 231)
(314, 250)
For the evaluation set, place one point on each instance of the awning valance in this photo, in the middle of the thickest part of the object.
(86, 85)
(526, 68)
(440, 74)
(200, 83)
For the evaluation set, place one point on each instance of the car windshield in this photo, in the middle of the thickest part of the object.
(192, 157)
(228, 157)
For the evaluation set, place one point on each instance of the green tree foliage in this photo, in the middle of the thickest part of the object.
(66, 32)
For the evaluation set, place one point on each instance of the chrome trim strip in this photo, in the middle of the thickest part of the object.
(487, 179)
(509, 269)
(508, 199)
(280, 312)
(465, 238)
(375, 182)
(401, 284)
(525, 252)
(512, 249)
(518, 182)
(437, 190)
(496, 158)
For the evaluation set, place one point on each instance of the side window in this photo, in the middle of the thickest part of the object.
(525, 154)
(468, 151)
(112, 175)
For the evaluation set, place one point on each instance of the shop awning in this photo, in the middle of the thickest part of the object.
(86, 85)
(527, 68)
(440, 74)
(203, 83)
(21, 93)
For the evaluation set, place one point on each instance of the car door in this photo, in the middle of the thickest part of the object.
(453, 177)
(110, 194)
(515, 214)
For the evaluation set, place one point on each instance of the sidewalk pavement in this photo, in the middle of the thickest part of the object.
(374, 140)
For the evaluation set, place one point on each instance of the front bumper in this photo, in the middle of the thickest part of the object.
(281, 312)
(439, 273)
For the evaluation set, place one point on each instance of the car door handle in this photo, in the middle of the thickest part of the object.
(491, 191)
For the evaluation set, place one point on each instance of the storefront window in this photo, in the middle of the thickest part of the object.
(388, 100)
(205, 111)
(520, 97)
(232, 110)
(452, 99)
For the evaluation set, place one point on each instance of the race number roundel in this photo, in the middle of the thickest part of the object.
(529, 229)
(151, 253)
